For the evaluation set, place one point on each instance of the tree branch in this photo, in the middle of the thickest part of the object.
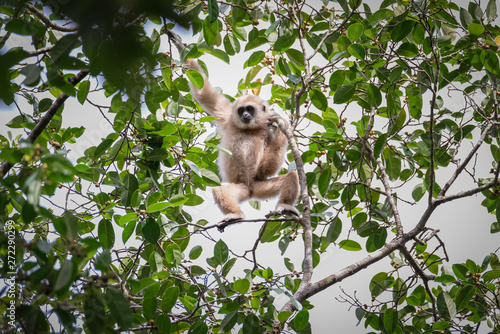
(45, 120)
(383, 176)
(462, 166)
(348, 271)
(306, 210)
(47, 21)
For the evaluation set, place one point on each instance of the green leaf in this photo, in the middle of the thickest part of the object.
(32, 74)
(297, 58)
(251, 324)
(130, 185)
(267, 273)
(106, 234)
(128, 230)
(357, 50)
(155, 262)
(157, 207)
(45, 104)
(390, 320)
(18, 26)
(169, 299)
(379, 283)
(163, 323)
(401, 30)
(213, 10)
(336, 79)
(465, 17)
(270, 231)
(324, 181)
(418, 34)
(376, 240)
(83, 91)
(253, 43)
(379, 144)
(231, 44)
(409, 50)
(318, 99)
(195, 78)
(284, 315)
(150, 302)
(301, 319)
(221, 252)
(195, 252)
(495, 227)
(344, 93)
(63, 47)
(446, 306)
(475, 29)
(255, 59)
(151, 231)
(418, 192)
(497, 211)
(229, 321)
(119, 307)
(67, 226)
(380, 15)
(374, 95)
(288, 264)
(102, 148)
(491, 275)
(210, 30)
(464, 296)
(241, 286)
(490, 61)
(460, 271)
(284, 42)
(491, 10)
(350, 245)
(65, 276)
(355, 31)
(103, 261)
(95, 315)
(392, 163)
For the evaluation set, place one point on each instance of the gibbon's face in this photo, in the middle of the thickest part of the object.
(250, 112)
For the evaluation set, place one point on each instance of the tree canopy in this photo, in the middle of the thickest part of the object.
(392, 105)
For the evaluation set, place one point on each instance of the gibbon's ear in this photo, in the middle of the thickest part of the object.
(264, 109)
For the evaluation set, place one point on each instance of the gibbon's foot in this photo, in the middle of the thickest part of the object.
(284, 209)
(229, 219)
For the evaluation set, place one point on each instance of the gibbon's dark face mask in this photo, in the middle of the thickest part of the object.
(246, 114)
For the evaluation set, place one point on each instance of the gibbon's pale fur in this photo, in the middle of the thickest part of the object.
(249, 131)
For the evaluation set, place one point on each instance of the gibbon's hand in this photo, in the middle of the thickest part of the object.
(177, 40)
(274, 117)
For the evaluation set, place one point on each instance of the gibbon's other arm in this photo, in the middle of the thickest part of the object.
(213, 103)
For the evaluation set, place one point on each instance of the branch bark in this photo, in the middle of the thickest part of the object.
(47, 21)
(45, 120)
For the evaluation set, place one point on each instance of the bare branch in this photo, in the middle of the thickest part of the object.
(462, 166)
(45, 120)
(306, 214)
(47, 21)
(383, 176)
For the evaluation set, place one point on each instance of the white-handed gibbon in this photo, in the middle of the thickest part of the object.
(249, 131)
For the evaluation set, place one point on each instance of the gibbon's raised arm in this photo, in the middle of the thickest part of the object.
(213, 103)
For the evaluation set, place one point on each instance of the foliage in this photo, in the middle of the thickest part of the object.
(385, 104)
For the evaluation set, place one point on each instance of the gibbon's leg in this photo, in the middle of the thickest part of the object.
(228, 197)
(287, 186)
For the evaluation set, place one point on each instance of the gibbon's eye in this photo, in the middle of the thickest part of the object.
(250, 109)
(240, 110)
